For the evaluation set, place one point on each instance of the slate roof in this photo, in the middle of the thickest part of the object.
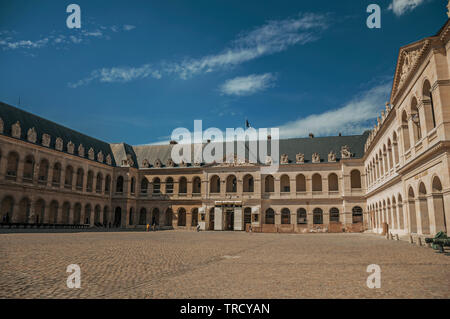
(11, 115)
(119, 151)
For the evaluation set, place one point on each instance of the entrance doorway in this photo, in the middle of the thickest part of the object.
(229, 220)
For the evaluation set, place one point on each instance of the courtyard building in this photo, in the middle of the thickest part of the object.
(393, 178)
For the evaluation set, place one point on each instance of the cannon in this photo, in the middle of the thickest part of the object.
(439, 241)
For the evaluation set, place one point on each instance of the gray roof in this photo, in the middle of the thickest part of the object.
(11, 115)
(120, 151)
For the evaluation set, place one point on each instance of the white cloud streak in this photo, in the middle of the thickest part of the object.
(400, 7)
(247, 85)
(352, 118)
(273, 37)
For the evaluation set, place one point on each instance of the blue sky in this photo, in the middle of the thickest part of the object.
(136, 70)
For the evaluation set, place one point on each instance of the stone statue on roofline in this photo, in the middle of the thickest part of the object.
(300, 158)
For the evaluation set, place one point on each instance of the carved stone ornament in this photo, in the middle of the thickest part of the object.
(91, 154)
(332, 157)
(81, 150)
(158, 163)
(183, 163)
(46, 140)
(32, 135)
(145, 163)
(316, 158)
(170, 163)
(100, 157)
(2, 126)
(284, 159)
(300, 158)
(59, 144)
(409, 60)
(109, 159)
(345, 152)
(268, 160)
(16, 131)
(70, 147)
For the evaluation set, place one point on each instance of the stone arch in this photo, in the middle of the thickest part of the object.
(56, 179)
(143, 216)
(355, 179)
(119, 184)
(79, 179)
(133, 185)
(53, 212)
(214, 184)
(156, 185)
(107, 183)
(194, 217)
(131, 217)
(302, 218)
(65, 218)
(285, 216)
(333, 183)
(99, 183)
(415, 119)
(317, 182)
(423, 204)
(169, 185)
(28, 168)
(395, 148)
(68, 177)
(269, 216)
(231, 184)
(405, 132)
(428, 103)
(249, 184)
(401, 224)
(168, 217)
(182, 185)
(87, 214)
(106, 220)
(440, 218)
(155, 216)
(269, 184)
(334, 215)
(23, 215)
(117, 217)
(300, 181)
(90, 181)
(97, 212)
(285, 184)
(412, 210)
(196, 185)
(39, 211)
(7, 209)
(181, 217)
(317, 216)
(357, 215)
(43, 171)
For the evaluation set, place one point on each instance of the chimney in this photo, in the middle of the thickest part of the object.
(173, 142)
(311, 135)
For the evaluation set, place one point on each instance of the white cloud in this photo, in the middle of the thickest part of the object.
(128, 27)
(400, 7)
(275, 36)
(247, 85)
(352, 118)
(119, 74)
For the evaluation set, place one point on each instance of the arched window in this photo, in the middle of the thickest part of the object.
(169, 216)
(333, 184)
(105, 215)
(334, 215)
(68, 177)
(317, 183)
(156, 185)
(231, 184)
(357, 215)
(317, 216)
(119, 185)
(269, 184)
(28, 169)
(415, 118)
(107, 184)
(270, 216)
(87, 214)
(117, 217)
(182, 188)
(429, 105)
(43, 171)
(405, 131)
(97, 211)
(194, 219)
(300, 181)
(438, 204)
(56, 174)
(133, 185)
(90, 181)
(53, 216)
(214, 184)
(169, 185)
(285, 216)
(285, 184)
(24, 211)
(79, 181)
(355, 179)
(143, 216)
(39, 211)
(301, 216)
(181, 217)
(144, 185)
(99, 183)
(7, 209)
(395, 145)
(77, 214)
(196, 185)
(12, 165)
(131, 217)
(248, 184)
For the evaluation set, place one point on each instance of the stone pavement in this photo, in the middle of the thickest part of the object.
(182, 264)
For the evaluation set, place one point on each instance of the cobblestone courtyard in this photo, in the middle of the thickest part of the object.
(181, 264)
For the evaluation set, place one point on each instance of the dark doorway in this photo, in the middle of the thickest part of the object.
(211, 219)
(247, 217)
(229, 220)
(117, 217)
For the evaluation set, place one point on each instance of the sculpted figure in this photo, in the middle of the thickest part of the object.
(70, 147)
(46, 140)
(91, 154)
(316, 158)
(16, 131)
(284, 159)
(345, 152)
(300, 158)
(59, 144)
(32, 135)
(81, 150)
(332, 157)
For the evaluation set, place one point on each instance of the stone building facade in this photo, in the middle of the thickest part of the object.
(395, 176)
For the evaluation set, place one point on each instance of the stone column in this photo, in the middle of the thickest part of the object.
(277, 216)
